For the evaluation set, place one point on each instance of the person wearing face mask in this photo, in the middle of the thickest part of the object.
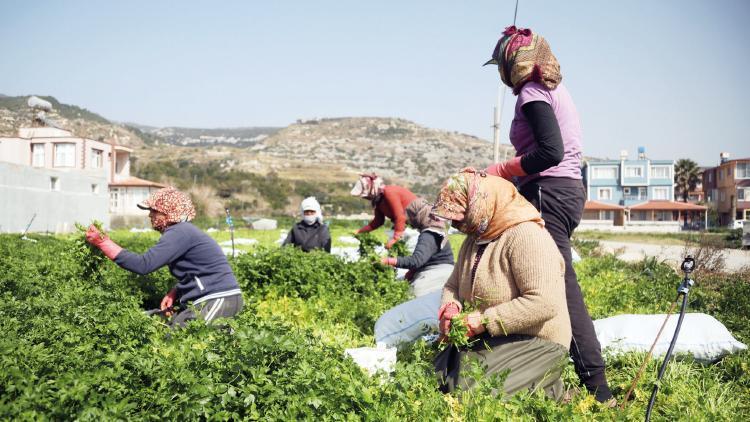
(510, 270)
(310, 233)
(206, 287)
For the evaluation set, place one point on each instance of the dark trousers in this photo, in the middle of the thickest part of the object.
(561, 201)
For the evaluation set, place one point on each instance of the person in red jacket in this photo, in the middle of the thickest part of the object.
(387, 200)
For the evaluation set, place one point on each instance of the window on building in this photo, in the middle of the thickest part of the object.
(660, 172)
(604, 193)
(609, 172)
(722, 196)
(663, 216)
(65, 155)
(742, 171)
(97, 158)
(95, 189)
(606, 215)
(37, 155)
(710, 176)
(661, 193)
(638, 215)
(633, 171)
(54, 183)
(114, 199)
(742, 193)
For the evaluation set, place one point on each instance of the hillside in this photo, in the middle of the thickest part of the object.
(14, 113)
(267, 169)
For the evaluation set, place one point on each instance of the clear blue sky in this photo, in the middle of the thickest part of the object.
(668, 75)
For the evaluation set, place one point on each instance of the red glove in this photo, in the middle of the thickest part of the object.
(388, 260)
(474, 323)
(507, 169)
(168, 301)
(396, 238)
(103, 242)
(445, 314)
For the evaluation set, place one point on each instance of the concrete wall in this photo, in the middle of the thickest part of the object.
(26, 190)
(631, 226)
(15, 150)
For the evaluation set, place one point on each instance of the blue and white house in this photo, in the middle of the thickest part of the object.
(628, 182)
(635, 195)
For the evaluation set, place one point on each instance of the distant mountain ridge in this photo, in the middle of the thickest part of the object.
(327, 151)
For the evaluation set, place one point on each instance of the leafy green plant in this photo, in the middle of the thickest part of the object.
(89, 256)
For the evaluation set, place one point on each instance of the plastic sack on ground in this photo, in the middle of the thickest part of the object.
(374, 359)
(701, 335)
(408, 321)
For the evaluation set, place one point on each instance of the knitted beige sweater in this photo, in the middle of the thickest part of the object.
(519, 285)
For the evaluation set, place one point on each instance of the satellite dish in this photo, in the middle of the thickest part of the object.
(39, 104)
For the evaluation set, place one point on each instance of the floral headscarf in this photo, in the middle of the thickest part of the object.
(482, 205)
(175, 205)
(369, 186)
(522, 56)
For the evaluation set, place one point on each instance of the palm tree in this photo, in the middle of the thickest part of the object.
(685, 177)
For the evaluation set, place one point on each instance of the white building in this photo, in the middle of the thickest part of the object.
(55, 178)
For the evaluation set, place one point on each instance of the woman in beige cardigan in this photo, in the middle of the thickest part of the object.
(511, 272)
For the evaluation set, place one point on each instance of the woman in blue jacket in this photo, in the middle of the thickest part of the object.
(204, 277)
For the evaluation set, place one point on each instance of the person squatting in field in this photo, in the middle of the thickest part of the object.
(206, 287)
(432, 260)
(387, 201)
(546, 134)
(310, 233)
(511, 272)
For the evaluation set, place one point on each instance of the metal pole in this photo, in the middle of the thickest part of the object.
(499, 110)
(230, 223)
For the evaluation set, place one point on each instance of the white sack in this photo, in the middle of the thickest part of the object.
(373, 359)
(700, 335)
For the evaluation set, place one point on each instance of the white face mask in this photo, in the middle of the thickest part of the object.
(309, 219)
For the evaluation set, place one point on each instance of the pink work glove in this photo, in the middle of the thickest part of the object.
(474, 323)
(445, 314)
(507, 169)
(396, 238)
(168, 302)
(103, 242)
(388, 260)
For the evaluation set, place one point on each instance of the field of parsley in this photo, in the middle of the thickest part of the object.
(75, 344)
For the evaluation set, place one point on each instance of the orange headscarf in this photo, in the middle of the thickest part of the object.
(483, 205)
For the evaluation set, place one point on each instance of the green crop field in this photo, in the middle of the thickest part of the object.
(75, 344)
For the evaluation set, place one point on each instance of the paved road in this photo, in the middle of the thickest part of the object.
(734, 259)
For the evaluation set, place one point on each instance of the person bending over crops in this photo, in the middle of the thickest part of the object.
(206, 287)
(310, 233)
(546, 133)
(387, 201)
(507, 290)
(432, 261)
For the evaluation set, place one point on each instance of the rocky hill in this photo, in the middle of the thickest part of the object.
(264, 168)
(14, 113)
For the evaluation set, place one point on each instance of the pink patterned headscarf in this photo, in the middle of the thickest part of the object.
(175, 205)
(523, 56)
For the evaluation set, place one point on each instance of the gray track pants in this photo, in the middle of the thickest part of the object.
(210, 310)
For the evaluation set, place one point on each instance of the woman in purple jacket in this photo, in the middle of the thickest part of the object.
(204, 277)
(546, 133)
